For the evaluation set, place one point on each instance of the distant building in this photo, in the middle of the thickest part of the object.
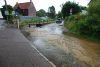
(84, 12)
(26, 9)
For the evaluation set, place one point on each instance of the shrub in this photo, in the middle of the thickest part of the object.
(85, 25)
(10, 19)
(71, 23)
(71, 18)
(90, 26)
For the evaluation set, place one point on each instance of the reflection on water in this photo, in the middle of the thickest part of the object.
(64, 50)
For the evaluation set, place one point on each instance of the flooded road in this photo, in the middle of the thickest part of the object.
(64, 50)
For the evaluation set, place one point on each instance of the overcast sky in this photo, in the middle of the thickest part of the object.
(44, 4)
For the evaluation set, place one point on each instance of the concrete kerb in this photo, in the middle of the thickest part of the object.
(43, 55)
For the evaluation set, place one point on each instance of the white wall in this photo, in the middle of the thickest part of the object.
(0, 15)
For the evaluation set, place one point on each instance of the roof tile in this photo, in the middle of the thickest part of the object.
(23, 5)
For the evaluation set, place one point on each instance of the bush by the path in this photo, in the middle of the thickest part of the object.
(84, 25)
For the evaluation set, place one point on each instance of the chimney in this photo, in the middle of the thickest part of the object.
(16, 2)
(31, 1)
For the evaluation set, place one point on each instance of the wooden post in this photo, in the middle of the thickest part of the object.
(18, 23)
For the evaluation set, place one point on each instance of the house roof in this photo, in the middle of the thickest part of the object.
(23, 5)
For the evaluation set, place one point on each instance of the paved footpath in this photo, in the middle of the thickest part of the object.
(16, 51)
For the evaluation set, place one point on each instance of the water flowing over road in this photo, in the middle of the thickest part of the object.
(64, 50)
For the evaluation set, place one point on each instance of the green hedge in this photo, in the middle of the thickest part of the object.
(84, 25)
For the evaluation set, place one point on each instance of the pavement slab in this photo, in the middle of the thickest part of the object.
(16, 51)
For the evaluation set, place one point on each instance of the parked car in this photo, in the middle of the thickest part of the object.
(60, 22)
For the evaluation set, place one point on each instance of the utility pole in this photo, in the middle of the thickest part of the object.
(6, 11)
(30, 1)
(5, 4)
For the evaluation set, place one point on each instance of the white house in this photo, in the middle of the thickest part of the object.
(84, 12)
(1, 15)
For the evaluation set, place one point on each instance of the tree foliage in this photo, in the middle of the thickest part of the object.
(3, 9)
(68, 6)
(9, 8)
(83, 8)
(51, 12)
(41, 13)
(94, 7)
(59, 15)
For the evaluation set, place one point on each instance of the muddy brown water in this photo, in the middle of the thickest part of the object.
(64, 50)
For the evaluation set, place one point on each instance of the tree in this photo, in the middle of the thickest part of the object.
(9, 8)
(83, 8)
(3, 9)
(70, 6)
(41, 13)
(59, 15)
(51, 12)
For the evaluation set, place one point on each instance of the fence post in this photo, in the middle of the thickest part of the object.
(18, 23)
